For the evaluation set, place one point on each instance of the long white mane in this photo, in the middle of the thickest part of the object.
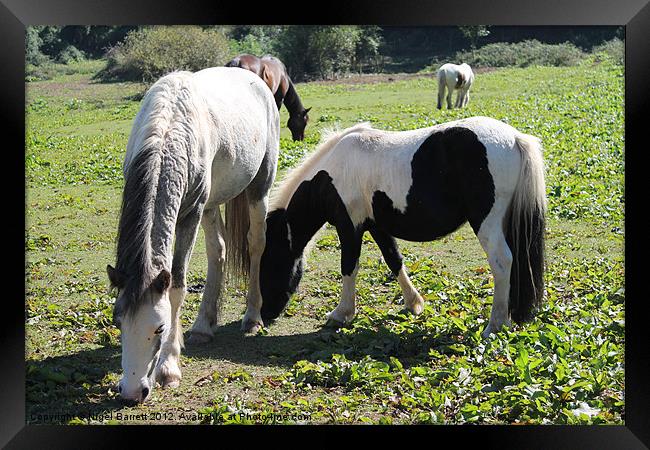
(170, 98)
(282, 195)
(166, 124)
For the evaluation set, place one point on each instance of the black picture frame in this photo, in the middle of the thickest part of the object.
(634, 15)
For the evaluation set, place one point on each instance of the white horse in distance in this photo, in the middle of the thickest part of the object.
(454, 77)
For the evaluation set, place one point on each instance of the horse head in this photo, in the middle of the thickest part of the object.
(280, 268)
(297, 123)
(145, 323)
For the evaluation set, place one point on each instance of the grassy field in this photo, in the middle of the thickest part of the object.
(565, 367)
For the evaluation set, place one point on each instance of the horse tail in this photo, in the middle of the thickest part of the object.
(460, 80)
(440, 75)
(525, 231)
(237, 222)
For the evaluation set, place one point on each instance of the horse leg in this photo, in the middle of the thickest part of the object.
(441, 90)
(252, 320)
(168, 372)
(459, 98)
(450, 91)
(257, 193)
(388, 246)
(350, 251)
(494, 243)
(463, 96)
(346, 309)
(215, 245)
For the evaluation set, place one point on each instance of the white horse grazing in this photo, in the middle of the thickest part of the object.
(200, 140)
(454, 77)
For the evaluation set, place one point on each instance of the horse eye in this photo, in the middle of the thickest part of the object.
(159, 329)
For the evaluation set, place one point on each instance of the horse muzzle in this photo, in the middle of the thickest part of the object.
(134, 396)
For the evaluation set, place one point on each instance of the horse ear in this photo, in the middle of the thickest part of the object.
(116, 278)
(306, 111)
(162, 281)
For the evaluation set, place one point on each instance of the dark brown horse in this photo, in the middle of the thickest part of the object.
(274, 74)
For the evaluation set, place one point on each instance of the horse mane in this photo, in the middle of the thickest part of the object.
(167, 100)
(281, 197)
(291, 99)
(134, 230)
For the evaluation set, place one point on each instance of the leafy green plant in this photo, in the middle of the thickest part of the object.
(151, 52)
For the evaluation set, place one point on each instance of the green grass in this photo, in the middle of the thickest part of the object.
(567, 366)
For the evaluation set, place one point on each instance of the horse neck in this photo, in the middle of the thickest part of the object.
(304, 220)
(165, 217)
(282, 196)
(149, 212)
(313, 203)
(292, 100)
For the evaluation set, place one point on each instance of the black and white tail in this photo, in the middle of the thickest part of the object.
(525, 227)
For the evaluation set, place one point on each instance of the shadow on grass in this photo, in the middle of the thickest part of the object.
(380, 343)
(76, 385)
(60, 388)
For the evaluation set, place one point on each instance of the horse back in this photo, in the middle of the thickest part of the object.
(424, 185)
(455, 75)
(459, 173)
(245, 126)
(270, 69)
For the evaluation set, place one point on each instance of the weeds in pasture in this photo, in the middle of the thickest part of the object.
(565, 367)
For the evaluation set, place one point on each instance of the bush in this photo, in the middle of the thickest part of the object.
(70, 54)
(522, 54)
(254, 39)
(326, 51)
(147, 54)
(613, 50)
(33, 42)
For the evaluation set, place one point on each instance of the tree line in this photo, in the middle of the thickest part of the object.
(309, 52)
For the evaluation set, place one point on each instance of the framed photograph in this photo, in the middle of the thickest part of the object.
(338, 142)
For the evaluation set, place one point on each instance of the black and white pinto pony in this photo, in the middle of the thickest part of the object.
(200, 140)
(415, 185)
(453, 77)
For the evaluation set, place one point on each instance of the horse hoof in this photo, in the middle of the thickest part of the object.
(170, 382)
(198, 338)
(486, 333)
(491, 329)
(251, 327)
(334, 324)
(416, 307)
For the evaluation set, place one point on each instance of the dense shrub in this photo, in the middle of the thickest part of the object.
(70, 54)
(152, 52)
(522, 54)
(254, 39)
(33, 43)
(70, 43)
(326, 51)
(613, 50)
